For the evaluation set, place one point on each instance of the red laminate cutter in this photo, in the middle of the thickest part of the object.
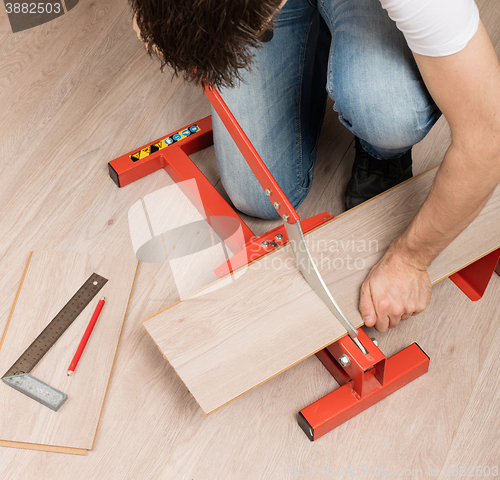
(364, 373)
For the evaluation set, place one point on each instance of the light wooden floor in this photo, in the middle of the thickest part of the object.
(80, 91)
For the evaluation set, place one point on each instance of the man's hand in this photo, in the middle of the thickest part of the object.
(395, 289)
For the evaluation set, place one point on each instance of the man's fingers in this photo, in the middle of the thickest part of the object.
(382, 324)
(393, 291)
(394, 321)
(366, 306)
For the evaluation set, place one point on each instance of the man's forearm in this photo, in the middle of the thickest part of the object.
(399, 285)
(462, 187)
(466, 87)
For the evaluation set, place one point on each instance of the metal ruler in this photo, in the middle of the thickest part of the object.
(18, 374)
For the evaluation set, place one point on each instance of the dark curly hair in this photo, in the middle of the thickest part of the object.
(206, 41)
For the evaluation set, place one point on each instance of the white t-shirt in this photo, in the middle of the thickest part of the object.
(434, 27)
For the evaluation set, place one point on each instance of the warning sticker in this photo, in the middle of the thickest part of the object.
(166, 142)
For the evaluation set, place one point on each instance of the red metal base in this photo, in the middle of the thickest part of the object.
(474, 278)
(367, 380)
(172, 153)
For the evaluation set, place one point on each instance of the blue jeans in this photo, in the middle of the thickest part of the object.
(348, 49)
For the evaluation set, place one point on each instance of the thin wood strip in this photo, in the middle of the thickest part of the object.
(15, 301)
(114, 358)
(43, 448)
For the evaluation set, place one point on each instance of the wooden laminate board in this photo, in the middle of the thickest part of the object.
(49, 281)
(481, 416)
(226, 342)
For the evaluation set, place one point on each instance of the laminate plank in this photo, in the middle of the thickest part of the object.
(46, 64)
(51, 280)
(476, 442)
(72, 154)
(147, 407)
(232, 339)
(229, 361)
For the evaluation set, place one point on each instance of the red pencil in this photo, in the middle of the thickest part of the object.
(86, 336)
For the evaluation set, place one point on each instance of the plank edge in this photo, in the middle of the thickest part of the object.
(43, 448)
(116, 353)
(16, 298)
(434, 282)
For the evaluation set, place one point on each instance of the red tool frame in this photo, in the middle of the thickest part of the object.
(364, 381)
(368, 378)
(474, 278)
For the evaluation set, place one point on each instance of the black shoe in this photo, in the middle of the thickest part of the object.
(371, 176)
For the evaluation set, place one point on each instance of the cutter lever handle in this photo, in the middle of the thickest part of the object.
(259, 168)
